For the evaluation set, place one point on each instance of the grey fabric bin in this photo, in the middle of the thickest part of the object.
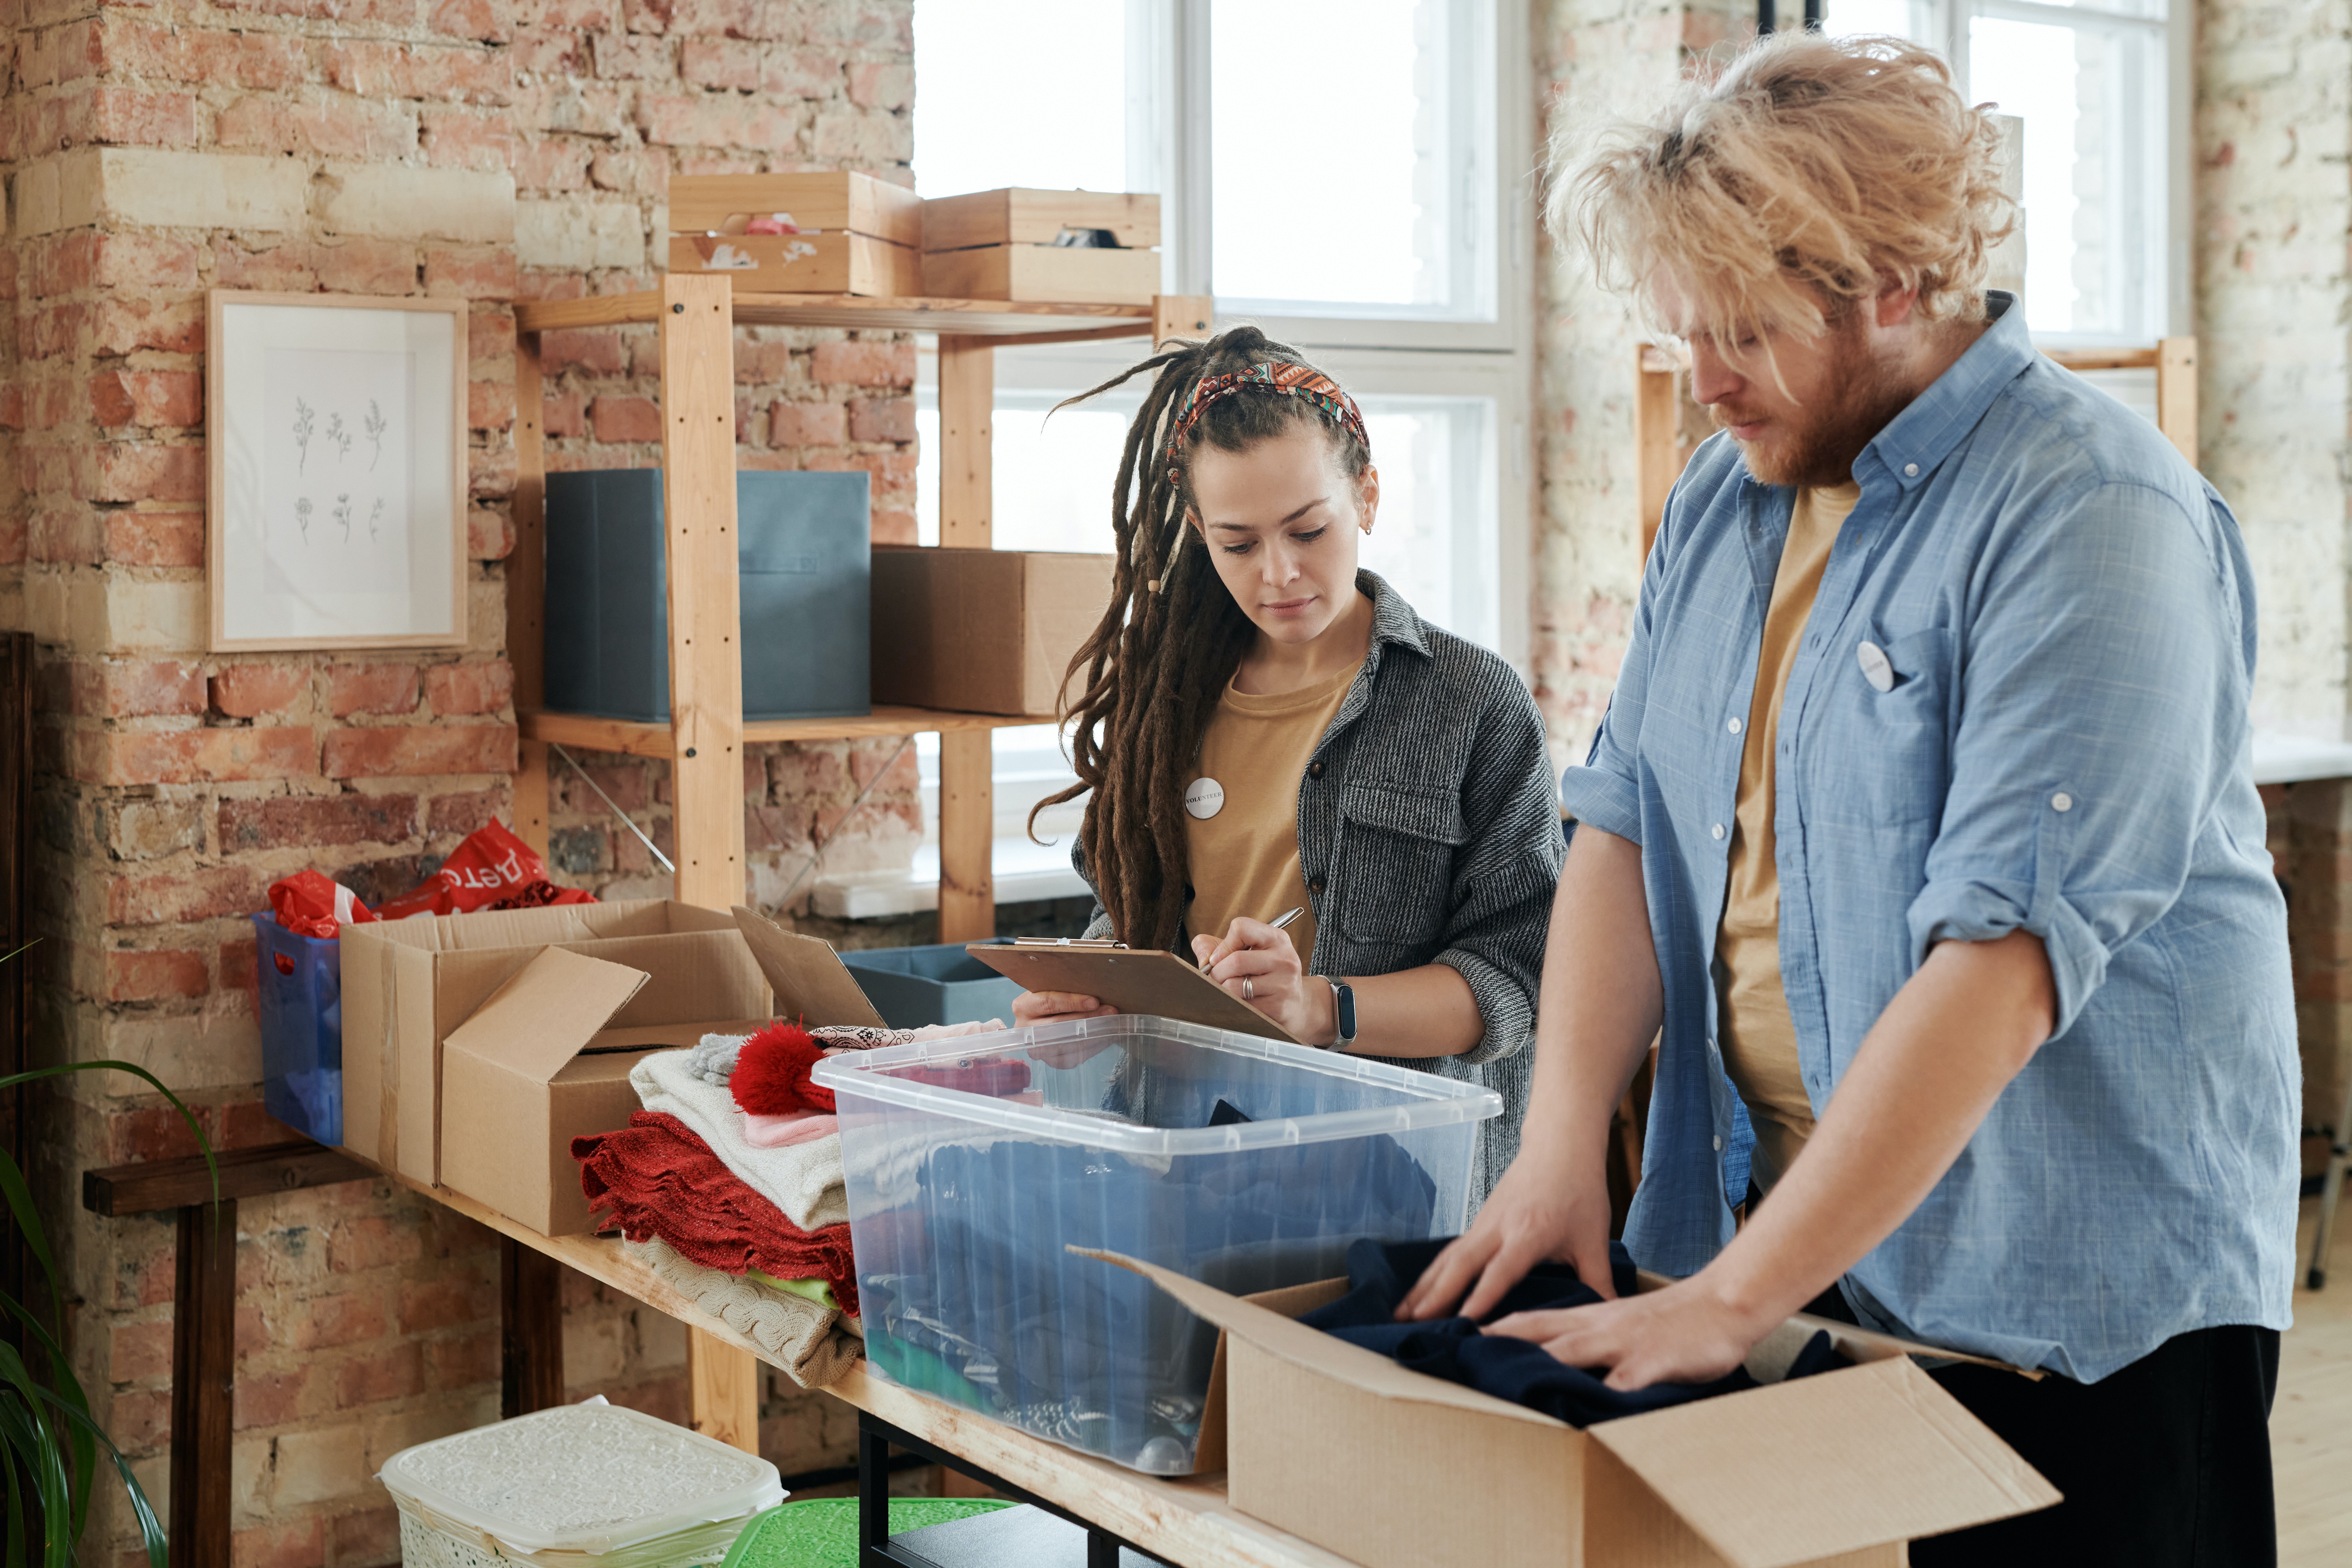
(912, 986)
(805, 558)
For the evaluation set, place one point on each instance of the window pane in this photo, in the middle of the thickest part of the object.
(2091, 98)
(993, 108)
(1899, 19)
(1332, 159)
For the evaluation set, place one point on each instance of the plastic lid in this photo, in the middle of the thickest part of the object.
(582, 1478)
(1409, 1100)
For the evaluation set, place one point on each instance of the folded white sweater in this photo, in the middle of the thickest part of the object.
(803, 1180)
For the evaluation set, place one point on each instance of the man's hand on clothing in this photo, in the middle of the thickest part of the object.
(1540, 1212)
(1684, 1333)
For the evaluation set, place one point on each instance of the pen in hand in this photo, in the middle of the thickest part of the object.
(1278, 922)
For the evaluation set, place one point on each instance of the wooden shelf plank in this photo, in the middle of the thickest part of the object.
(972, 318)
(2104, 359)
(153, 1184)
(641, 740)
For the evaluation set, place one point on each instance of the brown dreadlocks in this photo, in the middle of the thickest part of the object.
(1151, 675)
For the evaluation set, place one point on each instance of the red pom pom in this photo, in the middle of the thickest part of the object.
(771, 1075)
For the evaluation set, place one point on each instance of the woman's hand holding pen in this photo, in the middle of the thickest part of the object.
(1258, 962)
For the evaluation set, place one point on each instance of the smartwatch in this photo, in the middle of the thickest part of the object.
(1343, 1009)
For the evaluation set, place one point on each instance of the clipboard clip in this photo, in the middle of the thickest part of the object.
(1096, 944)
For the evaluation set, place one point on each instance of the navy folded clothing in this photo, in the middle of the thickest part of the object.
(1380, 1273)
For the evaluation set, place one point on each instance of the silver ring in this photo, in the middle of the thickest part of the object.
(1249, 991)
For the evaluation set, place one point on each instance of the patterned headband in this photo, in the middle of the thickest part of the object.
(1297, 381)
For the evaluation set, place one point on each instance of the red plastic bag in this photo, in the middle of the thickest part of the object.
(312, 904)
(492, 869)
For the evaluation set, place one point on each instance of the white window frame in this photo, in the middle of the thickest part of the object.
(2166, 301)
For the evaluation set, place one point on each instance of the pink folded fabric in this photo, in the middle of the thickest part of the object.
(784, 1131)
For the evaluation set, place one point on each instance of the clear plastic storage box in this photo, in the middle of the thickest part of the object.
(581, 1486)
(974, 1163)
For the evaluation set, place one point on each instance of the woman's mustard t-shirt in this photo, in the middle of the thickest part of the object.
(1245, 852)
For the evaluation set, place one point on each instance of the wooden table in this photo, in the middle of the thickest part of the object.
(1185, 1522)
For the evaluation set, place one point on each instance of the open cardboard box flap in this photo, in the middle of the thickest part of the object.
(536, 1021)
(1793, 1472)
(809, 981)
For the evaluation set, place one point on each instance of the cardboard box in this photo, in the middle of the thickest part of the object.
(1050, 274)
(857, 204)
(982, 631)
(1019, 217)
(1393, 1469)
(835, 262)
(488, 1057)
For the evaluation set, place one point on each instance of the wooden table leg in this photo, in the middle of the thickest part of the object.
(204, 1384)
(723, 1390)
(530, 1329)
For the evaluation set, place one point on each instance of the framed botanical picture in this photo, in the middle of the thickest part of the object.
(336, 439)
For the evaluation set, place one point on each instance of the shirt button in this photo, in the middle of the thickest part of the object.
(1316, 887)
(2062, 801)
(1732, 725)
(1718, 1145)
(1717, 830)
(1910, 471)
(1315, 770)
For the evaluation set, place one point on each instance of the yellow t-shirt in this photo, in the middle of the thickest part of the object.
(1758, 1037)
(1244, 855)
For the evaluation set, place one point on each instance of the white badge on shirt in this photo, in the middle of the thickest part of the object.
(1204, 798)
(1875, 667)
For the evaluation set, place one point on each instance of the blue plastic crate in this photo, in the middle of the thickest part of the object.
(912, 986)
(805, 558)
(298, 992)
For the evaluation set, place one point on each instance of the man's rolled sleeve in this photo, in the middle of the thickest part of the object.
(2087, 753)
(1604, 792)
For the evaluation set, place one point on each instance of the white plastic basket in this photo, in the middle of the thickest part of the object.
(583, 1486)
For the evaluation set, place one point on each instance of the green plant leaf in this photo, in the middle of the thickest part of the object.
(150, 1528)
(5, 957)
(12, 1548)
(70, 1497)
(21, 1423)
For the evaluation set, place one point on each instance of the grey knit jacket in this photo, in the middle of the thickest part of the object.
(1429, 832)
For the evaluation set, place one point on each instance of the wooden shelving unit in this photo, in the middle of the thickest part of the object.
(704, 740)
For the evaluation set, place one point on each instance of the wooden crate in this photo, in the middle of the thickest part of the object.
(827, 263)
(1016, 216)
(1065, 274)
(860, 204)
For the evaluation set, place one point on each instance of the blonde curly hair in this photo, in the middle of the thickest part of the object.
(1774, 192)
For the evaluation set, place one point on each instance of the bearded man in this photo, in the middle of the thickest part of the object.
(1921, 835)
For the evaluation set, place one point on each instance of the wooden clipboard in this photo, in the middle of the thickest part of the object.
(1146, 981)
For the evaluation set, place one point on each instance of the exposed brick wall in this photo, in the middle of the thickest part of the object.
(1593, 59)
(484, 150)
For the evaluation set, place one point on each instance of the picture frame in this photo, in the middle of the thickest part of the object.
(336, 483)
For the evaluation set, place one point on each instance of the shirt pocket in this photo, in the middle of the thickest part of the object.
(1396, 873)
(1882, 759)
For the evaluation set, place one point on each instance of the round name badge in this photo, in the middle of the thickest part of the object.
(1875, 668)
(1204, 798)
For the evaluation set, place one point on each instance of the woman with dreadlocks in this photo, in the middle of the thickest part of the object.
(1260, 726)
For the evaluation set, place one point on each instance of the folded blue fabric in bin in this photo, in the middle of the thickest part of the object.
(1097, 1357)
(1379, 1275)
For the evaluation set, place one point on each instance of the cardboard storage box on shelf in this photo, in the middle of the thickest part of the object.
(858, 235)
(1338, 1445)
(490, 1056)
(1017, 245)
(981, 631)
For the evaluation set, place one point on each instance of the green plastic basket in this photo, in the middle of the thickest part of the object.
(823, 1531)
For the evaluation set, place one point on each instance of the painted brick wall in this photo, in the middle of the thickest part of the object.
(488, 149)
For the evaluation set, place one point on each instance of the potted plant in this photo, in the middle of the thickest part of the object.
(45, 1425)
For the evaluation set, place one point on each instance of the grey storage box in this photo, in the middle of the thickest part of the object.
(806, 559)
(912, 986)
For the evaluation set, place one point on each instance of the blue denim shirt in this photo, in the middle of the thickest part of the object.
(2053, 735)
